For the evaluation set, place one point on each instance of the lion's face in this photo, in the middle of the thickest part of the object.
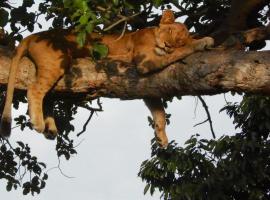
(172, 35)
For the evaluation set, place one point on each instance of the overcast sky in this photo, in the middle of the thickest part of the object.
(114, 145)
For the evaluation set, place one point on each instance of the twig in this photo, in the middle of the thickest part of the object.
(99, 104)
(75, 146)
(200, 123)
(7, 142)
(15, 126)
(122, 19)
(195, 109)
(208, 116)
(59, 168)
(123, 31)
(59, 162)
(92, 111)
(86, 123)
(225, 99)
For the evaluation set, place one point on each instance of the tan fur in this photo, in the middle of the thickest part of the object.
(150, 49)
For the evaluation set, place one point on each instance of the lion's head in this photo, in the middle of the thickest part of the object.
(171, 34)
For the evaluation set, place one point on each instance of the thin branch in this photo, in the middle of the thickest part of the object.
(15, 127)
(201, 123)
(86, 123)
(208, 115)
(92, 111)
(195, 109)
(225, 99)
(123, 31)
(59, 163)
(122, 19)
(59, 168)
(75, 146)
(7, 142)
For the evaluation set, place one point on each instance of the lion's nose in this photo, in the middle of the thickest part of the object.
(167, 44)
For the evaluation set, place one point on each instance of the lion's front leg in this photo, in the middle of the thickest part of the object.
(157, 59)
(188, 49)
(202, 44)
(157, 110)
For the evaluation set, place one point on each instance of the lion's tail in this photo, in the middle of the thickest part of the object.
(5, 125)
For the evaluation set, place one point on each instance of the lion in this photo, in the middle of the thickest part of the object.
(150, 49)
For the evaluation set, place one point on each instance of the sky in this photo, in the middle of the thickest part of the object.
(112, 149)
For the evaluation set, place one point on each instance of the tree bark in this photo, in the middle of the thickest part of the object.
(203, 73)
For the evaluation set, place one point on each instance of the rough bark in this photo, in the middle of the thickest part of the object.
(203, 73)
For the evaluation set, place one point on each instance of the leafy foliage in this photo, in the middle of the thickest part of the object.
(18, 163)
(232, 167)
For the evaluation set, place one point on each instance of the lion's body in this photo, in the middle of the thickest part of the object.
(52, 52)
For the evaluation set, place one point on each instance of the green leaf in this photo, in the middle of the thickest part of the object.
(9, 186)
(37, 169)
(30, 27)
(99, 51)
(157, 3)
(42, 185)
(81, 38)
(67, 3)
(28, 3)
(45, 177)
(146, 188)
(3, 17)
(89, 27)
(116, 2)
(21, 144)
(84, 19)
(42, 164)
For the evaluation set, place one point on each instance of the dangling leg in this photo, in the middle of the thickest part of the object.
(36, 92)
(35, 100)
(157, 110)
(50, 131)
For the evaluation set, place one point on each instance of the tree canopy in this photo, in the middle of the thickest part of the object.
(230, 167)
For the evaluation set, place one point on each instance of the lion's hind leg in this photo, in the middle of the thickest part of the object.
(46, 79)
(50, 131)
(157, 110)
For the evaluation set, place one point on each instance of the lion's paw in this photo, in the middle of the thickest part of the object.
(209, 42)
(50, 131)
(162, 141)
(204, 43)
(38, 125)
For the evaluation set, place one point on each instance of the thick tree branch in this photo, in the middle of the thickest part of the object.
(204, 73)
(240, 10)
(256, 34)
(237, 18)
(240, 39)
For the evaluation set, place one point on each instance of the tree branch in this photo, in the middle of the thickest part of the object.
(241, 39)
(237, 18)
(203, 73)
(209, 119)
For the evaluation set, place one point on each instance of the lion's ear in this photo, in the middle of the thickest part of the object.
(167, 17)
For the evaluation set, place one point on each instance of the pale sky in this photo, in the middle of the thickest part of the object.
(116, 142)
